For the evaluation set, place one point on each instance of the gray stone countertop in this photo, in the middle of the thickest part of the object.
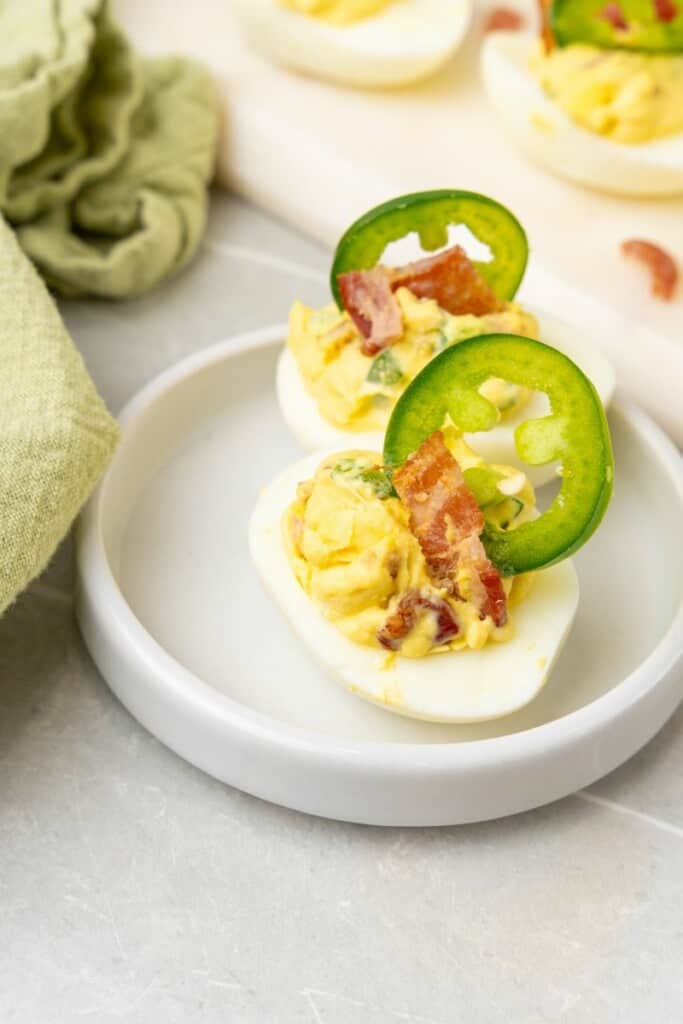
(134, 888)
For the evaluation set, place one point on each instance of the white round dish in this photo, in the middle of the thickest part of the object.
(174, 616)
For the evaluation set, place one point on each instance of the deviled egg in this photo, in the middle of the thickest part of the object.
(357, 42)
(423, 578)
(338, 382)
(601, 100)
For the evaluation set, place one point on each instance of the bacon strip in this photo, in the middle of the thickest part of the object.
(662, 266)
(405, 618)
(486, 586)
(450, 278)
(447, 522)
(665, 10)
(503, 18)
(369, 301)
(613, 14)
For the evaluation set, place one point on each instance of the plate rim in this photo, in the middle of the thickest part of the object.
(96, 577)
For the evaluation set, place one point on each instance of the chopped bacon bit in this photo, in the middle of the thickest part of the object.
(452, 279)
(496, 604)
(442, 508)
(504, 18)
(661, 265)
(368, 299)
(546, 29)
(447, 522)
(665, 10)
(393, 564)
(613, 14)
(412, 605)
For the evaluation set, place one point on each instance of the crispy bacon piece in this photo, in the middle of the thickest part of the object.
(443, 511)
(450, 277)
(503, 18)
(546, 29)
(369, 301)
(665, 10)
(412, 605)
(613, 14)
(447, 522)
(486, 586)
(661, 265)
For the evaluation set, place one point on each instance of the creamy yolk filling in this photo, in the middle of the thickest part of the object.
(358, 392)
(351, 548)
(338, 12)
(626, 96)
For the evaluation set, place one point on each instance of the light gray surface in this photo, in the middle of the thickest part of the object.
(133, 888)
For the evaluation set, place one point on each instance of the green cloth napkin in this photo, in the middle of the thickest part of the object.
(104, 162)
(56, 435)
(104, 157)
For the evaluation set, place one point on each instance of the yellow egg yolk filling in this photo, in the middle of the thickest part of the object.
(626, 96)
(337, 12)
(351, 548)
(358, 392)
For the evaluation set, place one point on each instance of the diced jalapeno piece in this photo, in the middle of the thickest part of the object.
(483, 482)
(385, 370)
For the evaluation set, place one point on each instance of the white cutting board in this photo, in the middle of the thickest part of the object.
(318, 155)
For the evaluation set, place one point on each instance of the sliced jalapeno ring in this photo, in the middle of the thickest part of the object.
(575, 432)
(430, 214)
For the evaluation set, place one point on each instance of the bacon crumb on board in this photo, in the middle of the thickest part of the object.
(450, 278)
(504, 18)
(661, 265)
(447, 522)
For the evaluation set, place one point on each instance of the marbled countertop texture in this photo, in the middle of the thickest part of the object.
(134, 888)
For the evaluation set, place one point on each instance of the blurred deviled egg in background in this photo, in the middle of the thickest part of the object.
(371, 43)
(598, 96)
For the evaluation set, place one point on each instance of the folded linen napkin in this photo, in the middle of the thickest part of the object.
(104, 157)
(56, 435)
(104, 162)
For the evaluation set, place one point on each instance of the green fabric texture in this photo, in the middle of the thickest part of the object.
(104, 157)
(56, 435)
(104, 163)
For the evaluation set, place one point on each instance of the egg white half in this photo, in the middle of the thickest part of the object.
(404, 43)
(549, 136)
(301, 414)
(458, 686)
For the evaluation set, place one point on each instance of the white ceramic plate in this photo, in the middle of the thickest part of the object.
(176, 619)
